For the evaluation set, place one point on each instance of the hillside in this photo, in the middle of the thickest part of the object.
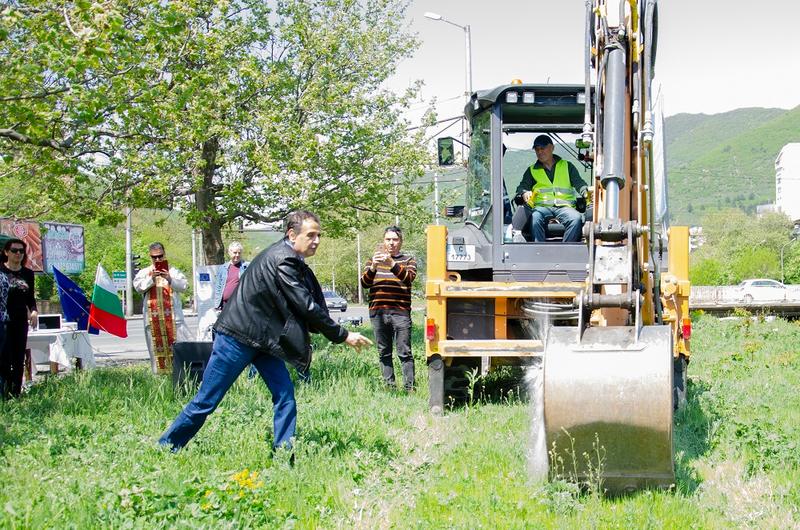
(725, 160)
(690, 136)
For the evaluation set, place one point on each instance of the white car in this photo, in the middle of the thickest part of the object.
(761, 290)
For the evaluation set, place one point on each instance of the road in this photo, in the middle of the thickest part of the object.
(111, 351)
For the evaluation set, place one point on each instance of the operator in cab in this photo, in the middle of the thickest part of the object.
(551, 188)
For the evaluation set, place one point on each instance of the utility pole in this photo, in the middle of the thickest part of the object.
(435, 197)
(358, 268)
(128, 263)
(396, 216)
(194, 270)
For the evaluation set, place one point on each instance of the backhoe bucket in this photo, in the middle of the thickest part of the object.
(608, 406)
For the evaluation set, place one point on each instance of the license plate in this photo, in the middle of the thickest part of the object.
(461, 253)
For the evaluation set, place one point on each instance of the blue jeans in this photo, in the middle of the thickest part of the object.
(229, 358)
(571, 218)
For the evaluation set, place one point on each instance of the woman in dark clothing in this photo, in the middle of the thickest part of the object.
(3, 314)
(21, 309)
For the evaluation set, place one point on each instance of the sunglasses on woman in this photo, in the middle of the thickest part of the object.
(17, 250)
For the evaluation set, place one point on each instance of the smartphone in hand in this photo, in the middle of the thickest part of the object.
(162, 266)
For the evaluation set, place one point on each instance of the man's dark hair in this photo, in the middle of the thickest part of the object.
(396, 229)
(15, 241)
(294, 220)
(155, 245)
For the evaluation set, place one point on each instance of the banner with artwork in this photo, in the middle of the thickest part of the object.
(29, 232)
(63, 247)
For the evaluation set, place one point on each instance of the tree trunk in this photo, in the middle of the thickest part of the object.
(213, 246)
(205, 202)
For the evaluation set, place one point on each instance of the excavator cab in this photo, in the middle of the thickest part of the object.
(503, 123)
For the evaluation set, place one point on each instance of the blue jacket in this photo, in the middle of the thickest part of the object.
(219, 281)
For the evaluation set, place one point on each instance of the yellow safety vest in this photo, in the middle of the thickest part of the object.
(557, 193)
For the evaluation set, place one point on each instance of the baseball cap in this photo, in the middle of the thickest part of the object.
(542, 141)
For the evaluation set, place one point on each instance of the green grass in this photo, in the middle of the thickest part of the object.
(80, 452)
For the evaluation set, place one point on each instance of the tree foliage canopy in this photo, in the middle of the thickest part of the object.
(232, 110)
(739, 246)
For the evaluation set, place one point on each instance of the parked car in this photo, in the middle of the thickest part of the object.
(334, 301)
(761, 290)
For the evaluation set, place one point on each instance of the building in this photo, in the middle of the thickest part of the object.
(787, 181)
(696, 238)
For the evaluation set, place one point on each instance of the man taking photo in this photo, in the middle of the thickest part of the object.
(388, 275)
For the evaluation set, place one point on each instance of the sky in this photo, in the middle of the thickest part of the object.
(713, 55)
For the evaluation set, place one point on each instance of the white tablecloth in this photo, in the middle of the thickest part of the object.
(61, 346)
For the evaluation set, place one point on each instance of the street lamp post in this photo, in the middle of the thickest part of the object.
(467, 48)
(468, 61)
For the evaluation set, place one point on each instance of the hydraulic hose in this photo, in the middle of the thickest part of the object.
(647, 137)
(587, 71)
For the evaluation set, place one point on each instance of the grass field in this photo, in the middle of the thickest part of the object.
(80, 452)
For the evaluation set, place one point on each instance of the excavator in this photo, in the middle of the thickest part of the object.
(606, 319)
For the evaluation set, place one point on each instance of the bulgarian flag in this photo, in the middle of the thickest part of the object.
(106, 310)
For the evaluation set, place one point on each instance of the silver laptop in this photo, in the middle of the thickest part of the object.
(49, 321)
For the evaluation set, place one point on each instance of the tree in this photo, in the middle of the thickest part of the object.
(229, 110)
(340, 255)
(106, 245)
(739, 246)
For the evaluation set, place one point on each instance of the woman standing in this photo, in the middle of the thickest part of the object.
(3, 314)
(21, 309)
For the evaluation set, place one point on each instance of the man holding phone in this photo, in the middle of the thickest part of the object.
(388, 275)
(162, 314)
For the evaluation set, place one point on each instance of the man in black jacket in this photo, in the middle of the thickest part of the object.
(266, 322)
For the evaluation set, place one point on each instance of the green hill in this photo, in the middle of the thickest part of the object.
(725, 160)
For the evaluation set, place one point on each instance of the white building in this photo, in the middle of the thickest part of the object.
(696, 237)
(787, 181)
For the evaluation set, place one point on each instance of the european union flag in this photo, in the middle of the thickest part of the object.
(74, 303)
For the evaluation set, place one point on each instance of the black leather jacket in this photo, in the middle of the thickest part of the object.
(277, 302)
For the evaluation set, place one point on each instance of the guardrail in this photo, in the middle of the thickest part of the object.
(732, 294)
(726, 298)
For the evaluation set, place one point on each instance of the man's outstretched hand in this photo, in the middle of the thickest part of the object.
(357, 340)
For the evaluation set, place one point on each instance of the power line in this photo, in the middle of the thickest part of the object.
(435, 123)
(440, 181)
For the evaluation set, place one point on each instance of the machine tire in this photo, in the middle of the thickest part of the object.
(748, 299)
(457, 381)
(679, 380)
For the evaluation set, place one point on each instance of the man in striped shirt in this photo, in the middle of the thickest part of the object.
(388, 276)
